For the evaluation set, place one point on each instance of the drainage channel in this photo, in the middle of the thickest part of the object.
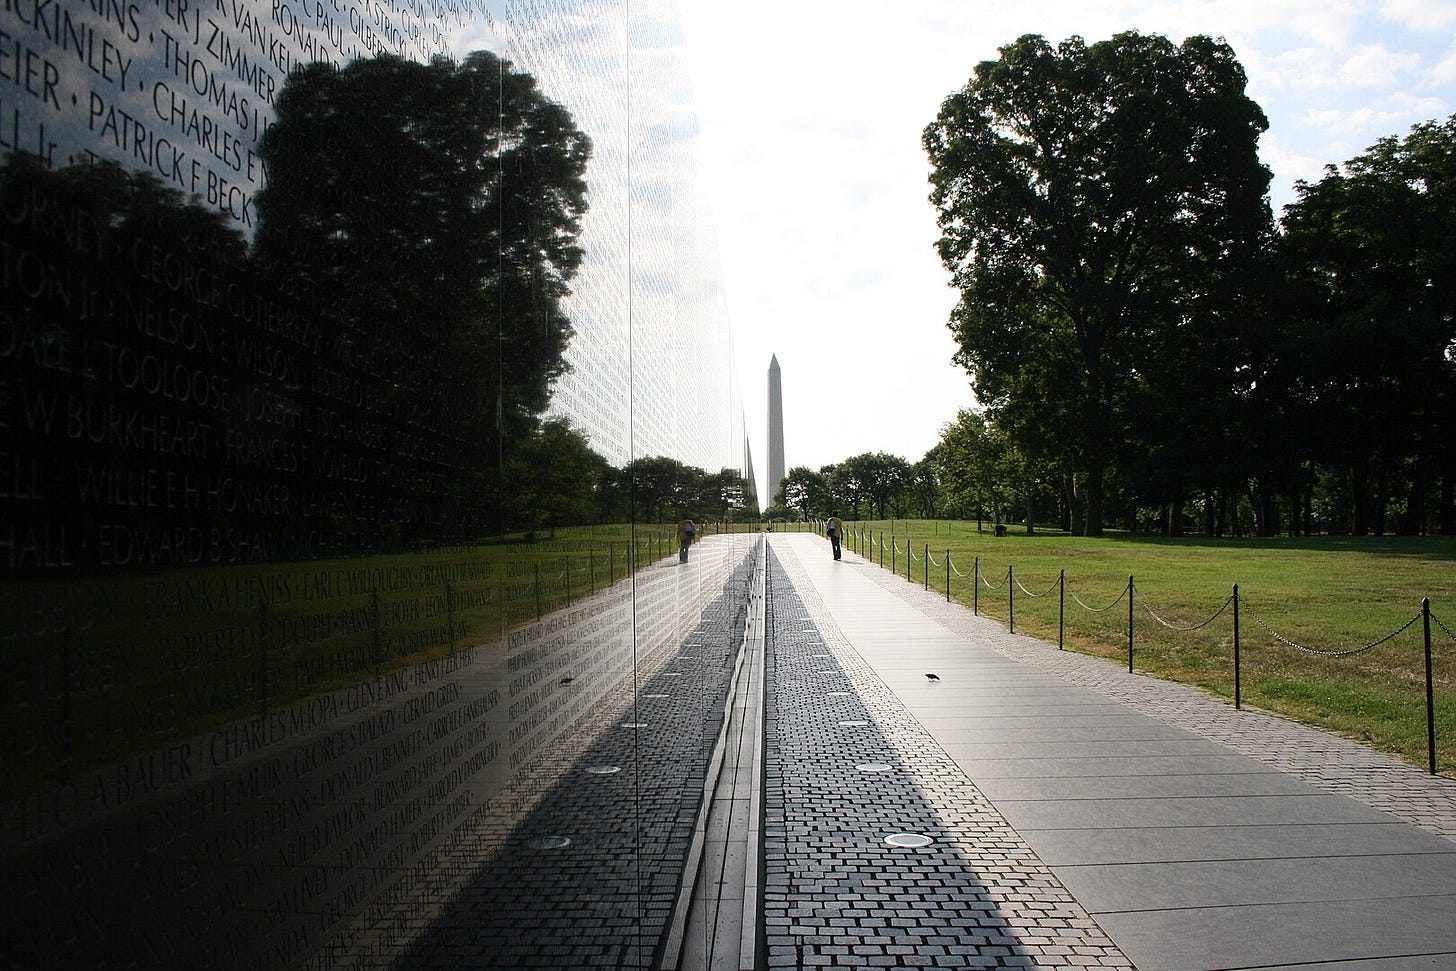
(715, 924)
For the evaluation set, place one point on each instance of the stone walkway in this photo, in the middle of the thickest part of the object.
(1078, 815)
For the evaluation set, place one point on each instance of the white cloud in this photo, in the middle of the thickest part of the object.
(1421, 15)
(1375, 66)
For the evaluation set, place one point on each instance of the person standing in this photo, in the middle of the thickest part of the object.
(832, 529)
(686, 533)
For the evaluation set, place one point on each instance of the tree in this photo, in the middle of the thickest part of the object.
(1371, 346)
(805, 490)
(1091, 200)
(885, 477)
(971, 455)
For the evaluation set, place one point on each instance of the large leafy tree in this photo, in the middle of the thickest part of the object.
(1369, 356)
(805, 490)
(1094, 201)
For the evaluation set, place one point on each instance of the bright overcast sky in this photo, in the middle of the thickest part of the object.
(811, 119)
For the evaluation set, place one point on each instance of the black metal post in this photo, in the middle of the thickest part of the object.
(976, 588)
(1062, 611)
(927, 566)
(1238, 662)
(1129, 624)
(1430, 695)
(947, 575)
(1011, 597)
(538, 589)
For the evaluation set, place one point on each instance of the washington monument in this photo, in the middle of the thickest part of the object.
(775, 429)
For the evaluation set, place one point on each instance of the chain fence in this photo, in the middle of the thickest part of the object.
(1235, 603)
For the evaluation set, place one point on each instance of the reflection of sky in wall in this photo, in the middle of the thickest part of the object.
(184, 92)
(647, 304)
(188, 95)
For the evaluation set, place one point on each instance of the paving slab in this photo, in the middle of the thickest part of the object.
(1195, 836)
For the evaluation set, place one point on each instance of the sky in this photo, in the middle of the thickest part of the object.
(811, 120)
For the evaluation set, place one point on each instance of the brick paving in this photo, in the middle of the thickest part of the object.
(846, 768)
(1325, 761)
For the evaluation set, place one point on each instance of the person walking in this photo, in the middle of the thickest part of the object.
(832, 529)
(686, 534)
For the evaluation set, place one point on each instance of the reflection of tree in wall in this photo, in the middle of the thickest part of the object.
(433, 211)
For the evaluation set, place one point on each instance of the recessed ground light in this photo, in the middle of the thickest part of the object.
(908, 840)
(854, 723)
(657, 697)
(827, 671)
(634, 724)
(839, 694)
(873, 767)
(548, 843)
(604, 769)
(672, 674)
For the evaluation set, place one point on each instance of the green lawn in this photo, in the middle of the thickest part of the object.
(1328, 595)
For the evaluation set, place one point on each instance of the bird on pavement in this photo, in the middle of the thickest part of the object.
(932, 678)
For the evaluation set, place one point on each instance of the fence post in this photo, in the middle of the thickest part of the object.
(377, 619)
(1238, 687)
(1011, 597)
(1129, 624)
(882, 549)
(567, 561)
(927, 566)
(1430, 696)
(450, 615)
(976, 588)
(591, 567)
(909, 561)
(1062, 611)
(263, 645)
(947, 574)
(894, 552)
(538, 589)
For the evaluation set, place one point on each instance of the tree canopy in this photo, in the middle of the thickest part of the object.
(1097, 204)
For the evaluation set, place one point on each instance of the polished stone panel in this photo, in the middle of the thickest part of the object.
(330, 369)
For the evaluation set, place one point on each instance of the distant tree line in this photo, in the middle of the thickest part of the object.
(1150, 348)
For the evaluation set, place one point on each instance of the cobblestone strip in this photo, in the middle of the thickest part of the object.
(1326, 761)
(846, 768)
(587, 876)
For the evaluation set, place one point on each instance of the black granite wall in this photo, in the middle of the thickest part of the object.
(311, 606)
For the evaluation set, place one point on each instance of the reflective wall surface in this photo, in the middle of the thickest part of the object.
(357, 362)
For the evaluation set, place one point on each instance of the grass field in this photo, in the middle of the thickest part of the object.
(1331, 596)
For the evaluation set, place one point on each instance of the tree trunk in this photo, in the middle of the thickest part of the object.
(1413, 520)
(1448, 503)
(1094, 498)
(1076, 525)
(1359, 500)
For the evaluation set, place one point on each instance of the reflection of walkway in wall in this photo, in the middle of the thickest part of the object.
(589, 876)
(329, 831)
(1077, 815)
